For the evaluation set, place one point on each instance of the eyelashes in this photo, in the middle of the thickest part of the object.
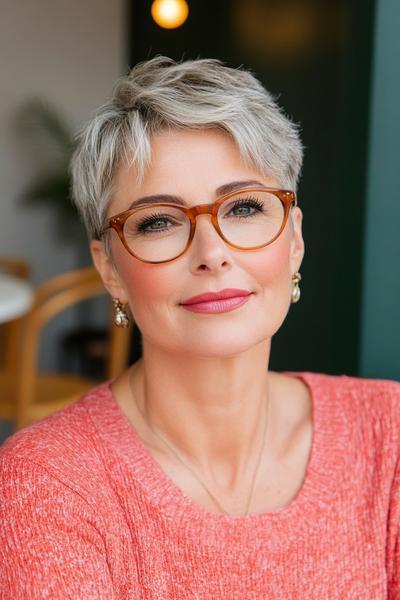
(144, 226)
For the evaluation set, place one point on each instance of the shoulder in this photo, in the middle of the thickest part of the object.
(376, 391)
(61, 529)
(64, 444)
(362, 403)
(380, 394)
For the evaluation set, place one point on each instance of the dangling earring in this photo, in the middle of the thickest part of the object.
(121, 318)
(296, 288)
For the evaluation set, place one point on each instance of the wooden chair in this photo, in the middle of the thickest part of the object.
(15, 266)
(9, 331)
(27, 395)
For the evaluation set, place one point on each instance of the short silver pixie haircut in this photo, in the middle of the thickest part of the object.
(161, 94)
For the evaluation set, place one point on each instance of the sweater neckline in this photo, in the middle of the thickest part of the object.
(319, 483)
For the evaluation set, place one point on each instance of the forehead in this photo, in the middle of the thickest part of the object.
(187, 163)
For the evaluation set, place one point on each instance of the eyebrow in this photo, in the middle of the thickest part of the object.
(222, 190)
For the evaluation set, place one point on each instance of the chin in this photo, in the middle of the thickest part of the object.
(222, 343)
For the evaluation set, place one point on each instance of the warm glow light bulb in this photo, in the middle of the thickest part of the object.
(169, 13)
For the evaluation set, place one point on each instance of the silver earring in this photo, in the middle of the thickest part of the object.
(121, 318)
(296, 288)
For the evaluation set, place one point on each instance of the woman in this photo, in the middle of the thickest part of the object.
(199, 473)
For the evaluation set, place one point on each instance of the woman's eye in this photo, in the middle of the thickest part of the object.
(156, 224)
(244, 209)
(247, 207)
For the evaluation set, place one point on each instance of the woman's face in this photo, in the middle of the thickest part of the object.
(193, 164)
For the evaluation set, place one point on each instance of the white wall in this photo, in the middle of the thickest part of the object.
(69, 53)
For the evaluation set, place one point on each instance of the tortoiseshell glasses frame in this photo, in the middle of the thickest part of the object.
(286, 197)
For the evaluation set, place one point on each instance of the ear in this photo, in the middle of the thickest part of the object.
(297, 243)
(106, 268)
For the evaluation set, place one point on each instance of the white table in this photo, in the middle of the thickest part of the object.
(16, 297)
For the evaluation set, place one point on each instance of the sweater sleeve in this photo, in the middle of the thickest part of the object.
(393, 527)
(50, 543)
(394, 539)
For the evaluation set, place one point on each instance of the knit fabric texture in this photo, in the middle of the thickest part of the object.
(87, 513)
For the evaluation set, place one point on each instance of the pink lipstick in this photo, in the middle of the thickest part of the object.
(217, 302)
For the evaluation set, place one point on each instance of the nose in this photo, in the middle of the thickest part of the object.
(208, 250)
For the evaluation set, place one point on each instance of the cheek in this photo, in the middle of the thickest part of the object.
(271, 271)
(270, 267)
(145, 284)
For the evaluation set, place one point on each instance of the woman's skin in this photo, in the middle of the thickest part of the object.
(203, 382)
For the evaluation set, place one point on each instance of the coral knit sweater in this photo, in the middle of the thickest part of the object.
(87, 513)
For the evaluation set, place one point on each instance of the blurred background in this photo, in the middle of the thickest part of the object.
(336, 68)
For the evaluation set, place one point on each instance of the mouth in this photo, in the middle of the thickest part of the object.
(216, 302)
(214, 296)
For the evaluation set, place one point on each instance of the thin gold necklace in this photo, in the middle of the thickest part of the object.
(199, 479)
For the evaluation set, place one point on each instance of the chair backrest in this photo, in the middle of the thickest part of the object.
(15, 266)
(9, 331)
(51, 298)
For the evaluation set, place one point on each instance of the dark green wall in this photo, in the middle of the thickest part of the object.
(317, 57)
(380, 353)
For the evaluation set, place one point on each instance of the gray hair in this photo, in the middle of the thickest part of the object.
(160, 94)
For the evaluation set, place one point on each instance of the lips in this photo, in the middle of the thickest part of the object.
(214, 296)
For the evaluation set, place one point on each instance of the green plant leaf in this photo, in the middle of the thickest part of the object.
(37, 119)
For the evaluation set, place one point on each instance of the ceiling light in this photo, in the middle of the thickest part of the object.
(169, 14)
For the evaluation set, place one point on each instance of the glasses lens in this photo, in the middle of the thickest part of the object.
(251, 219)
(157, 233)
(247, 219)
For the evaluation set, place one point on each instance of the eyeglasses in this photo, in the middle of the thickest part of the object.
(246, 220)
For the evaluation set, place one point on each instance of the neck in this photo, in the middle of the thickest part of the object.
(212, 410)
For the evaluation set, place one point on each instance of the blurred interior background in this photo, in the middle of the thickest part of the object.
(336, 68)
